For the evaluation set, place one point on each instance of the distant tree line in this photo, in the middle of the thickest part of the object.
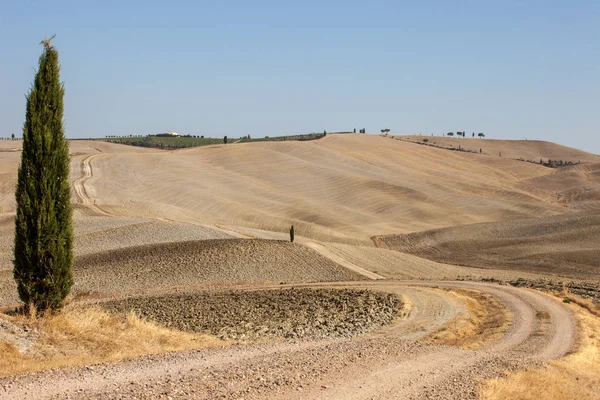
(551, 163)
(463, 134)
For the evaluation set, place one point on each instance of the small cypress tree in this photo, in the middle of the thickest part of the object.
(225, 140)
(43, 264)
(292, 234)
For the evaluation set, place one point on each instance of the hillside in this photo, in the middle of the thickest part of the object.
(341, 188)
(563, 245)
(525, 149)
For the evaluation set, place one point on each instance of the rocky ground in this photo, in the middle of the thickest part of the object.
(557, 286)
(383, 364)
(161, 266)
(586, 289)
(290, 313)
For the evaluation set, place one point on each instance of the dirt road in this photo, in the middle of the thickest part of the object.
(387, 364)
(80, 188)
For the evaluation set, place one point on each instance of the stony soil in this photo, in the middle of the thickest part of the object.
(95, 234)
(193, 262)
(160, 266)
(382, 365)
(100, 233)
(588, 290)
(21, 337)
(289, 313)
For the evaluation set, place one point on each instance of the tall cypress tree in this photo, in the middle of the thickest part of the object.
(43, 264)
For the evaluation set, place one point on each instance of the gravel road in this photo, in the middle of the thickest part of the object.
(386, 364)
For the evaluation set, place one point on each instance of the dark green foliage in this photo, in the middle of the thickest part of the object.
(425, 140)
(43, 223)
(225, 139)
(300, 138)
(165, 142)
(292, 234)
(450, 133)
(13, 136)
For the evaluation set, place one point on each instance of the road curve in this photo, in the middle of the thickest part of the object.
(386, 364)
(79, 186)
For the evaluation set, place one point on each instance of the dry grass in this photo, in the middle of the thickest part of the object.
(87, 335)
(575, 376)
(485, 322)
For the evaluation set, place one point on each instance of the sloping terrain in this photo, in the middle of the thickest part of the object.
(383, 365)
(151, 225)
(563, 245)
(525, 149)
(168, 266)
(341, 188)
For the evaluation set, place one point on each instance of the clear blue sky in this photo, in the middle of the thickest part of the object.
(511, 69)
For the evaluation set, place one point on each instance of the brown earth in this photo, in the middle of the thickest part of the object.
(525, 149)
(565, 246)
(289, 313)
(343, 188)
(166, 266)
(384, 364)
(147, 223)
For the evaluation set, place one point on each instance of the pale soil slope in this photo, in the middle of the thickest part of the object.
(344, 188)
(525, 149)
(562, 245)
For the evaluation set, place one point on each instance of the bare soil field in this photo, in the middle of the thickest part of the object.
(288, 313)
(384, 364)
(525, 149)
(337, 188)
(564, 246)
(197, 240)
(340, 188)
(163, 266)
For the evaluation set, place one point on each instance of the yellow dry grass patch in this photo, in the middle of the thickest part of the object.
(485, 321)
(86, 335)
(575, 376)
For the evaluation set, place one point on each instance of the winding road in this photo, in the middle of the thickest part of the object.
(386, 364)
(79, 186)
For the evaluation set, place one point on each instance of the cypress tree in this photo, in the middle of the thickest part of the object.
(43, 223)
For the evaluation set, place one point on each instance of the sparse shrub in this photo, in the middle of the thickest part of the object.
(225, 139)
(43, 264)
(425, 140)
